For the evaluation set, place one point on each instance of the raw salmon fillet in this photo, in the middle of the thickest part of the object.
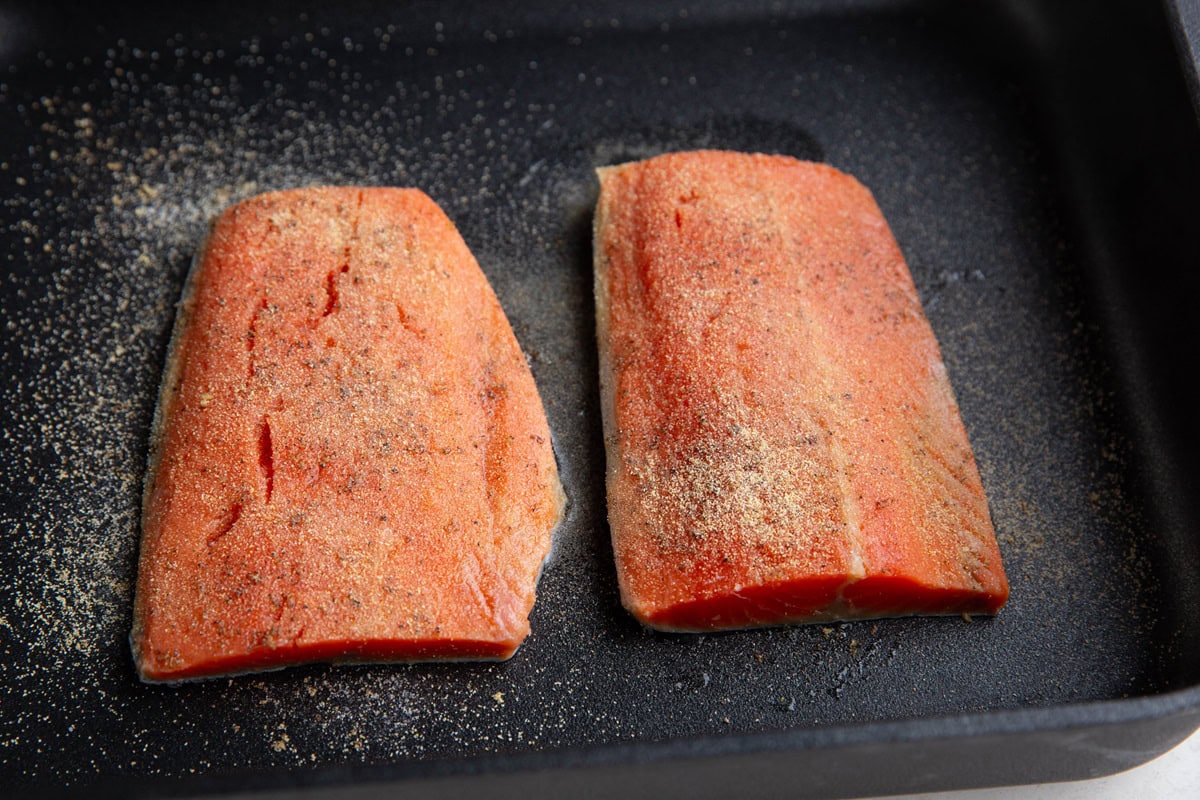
(783, 443)
(350, 459)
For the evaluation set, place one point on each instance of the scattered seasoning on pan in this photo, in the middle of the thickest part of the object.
(132, 155)
(118, 147)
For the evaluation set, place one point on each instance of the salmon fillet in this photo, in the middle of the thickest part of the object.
(783, 443)
(350, 459)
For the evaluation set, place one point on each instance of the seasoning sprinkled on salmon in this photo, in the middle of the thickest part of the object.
(783, 443)
(350, 460)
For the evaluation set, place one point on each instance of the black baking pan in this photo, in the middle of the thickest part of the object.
(1039, 165)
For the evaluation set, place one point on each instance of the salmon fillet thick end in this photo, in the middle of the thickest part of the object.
(350, 460)
(783, 443)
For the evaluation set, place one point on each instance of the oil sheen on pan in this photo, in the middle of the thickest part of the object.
(783, 443)
(350, 460)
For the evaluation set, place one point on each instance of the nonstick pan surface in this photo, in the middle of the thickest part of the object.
(1038, 165)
